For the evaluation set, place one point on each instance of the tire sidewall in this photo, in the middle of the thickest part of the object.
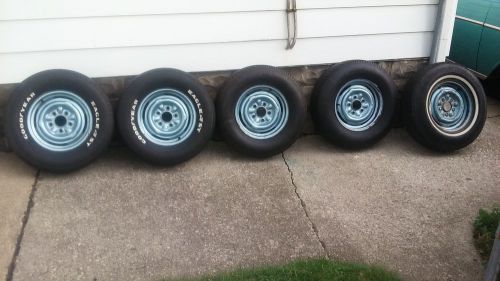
(427, 132)
(232, 92)
(21, 139)
(135, 94)
(325, 112)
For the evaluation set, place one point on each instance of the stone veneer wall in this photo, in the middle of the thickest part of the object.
(306, 76)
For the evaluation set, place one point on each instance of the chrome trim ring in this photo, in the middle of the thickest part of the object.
(452, 106)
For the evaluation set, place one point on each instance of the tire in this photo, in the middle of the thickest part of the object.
(353, 104)
(67, 100)
(166, 116)
(449, 125)
(260, 132)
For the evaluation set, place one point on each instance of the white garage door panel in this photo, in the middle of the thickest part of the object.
(43, 9)
(129, 31)
(37, 9)
(208, 57)
(366, 20)
(81, 33)
(321, 4)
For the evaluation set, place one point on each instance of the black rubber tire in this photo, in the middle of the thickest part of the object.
(417, 120)
(135, 138)
(227, 99)
(20, 138)
(328, 88)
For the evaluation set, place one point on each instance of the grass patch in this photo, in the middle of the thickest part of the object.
(307, 270)
(485, 226)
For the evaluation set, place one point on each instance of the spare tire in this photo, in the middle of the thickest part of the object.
(57, 120)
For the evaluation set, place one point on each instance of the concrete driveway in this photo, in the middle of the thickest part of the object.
(396, 204)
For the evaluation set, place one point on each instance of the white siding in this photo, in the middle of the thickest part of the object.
(122, 37)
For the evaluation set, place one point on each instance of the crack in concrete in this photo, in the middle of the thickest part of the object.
(494, 116)
(12, 266)
(304, 207)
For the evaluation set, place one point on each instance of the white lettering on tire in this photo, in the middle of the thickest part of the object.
(97, 119)
(199, 127)
(21, 115)
(133, 124)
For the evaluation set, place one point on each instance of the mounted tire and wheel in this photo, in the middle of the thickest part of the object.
(166, 116)
(57, 120)
(353, 104)
(445, 107)
(260, 111)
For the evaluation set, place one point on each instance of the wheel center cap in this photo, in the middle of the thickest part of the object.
(447, 106)
(166, 116)
(60, 121)
(261, 112)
